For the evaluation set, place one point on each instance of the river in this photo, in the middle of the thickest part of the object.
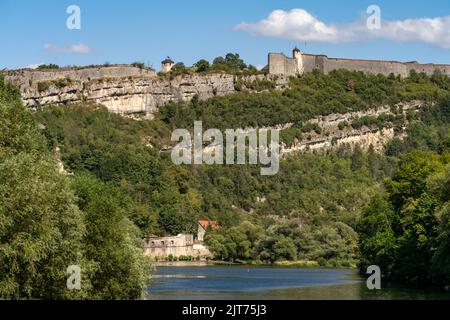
(250, 282)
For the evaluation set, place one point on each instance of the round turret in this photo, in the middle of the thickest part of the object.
(297, 55)
(166, 65)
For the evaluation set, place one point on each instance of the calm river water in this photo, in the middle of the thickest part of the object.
(250, 282)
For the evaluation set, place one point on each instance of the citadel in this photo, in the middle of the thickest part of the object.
(301, 63)
(132, 90)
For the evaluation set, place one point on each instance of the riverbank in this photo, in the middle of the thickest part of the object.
(292, 264)
(182, 263)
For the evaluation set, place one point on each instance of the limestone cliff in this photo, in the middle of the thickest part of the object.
(128, 90)
(332, 137)
(125, 89)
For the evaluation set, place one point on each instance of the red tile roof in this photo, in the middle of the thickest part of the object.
(208, 223)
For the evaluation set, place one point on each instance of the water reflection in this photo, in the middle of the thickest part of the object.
(241, 282)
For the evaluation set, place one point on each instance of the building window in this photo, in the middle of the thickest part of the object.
(162, 242)
(172, 242)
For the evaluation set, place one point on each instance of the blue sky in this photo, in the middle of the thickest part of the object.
(134, 30)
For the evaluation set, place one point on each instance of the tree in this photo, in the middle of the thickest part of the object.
(111, 244)
(409, 179)
(218, 61)
(202, 65)
(373, 161)
(234, 61)
(377, 243)
(48, 66)
(252, 68)
(179, 68)
(417, 240)
(357, 158)
(41, 229)
(441, 258)
(405, 231)
(216, 244)
(40, 225)
(439, 185)
(170, 221)
(18, 130)
(285, 249)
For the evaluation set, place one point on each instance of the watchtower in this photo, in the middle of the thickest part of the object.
(298, 56)
(166, 65)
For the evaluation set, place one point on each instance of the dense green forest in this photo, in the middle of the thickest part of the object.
(406, 227)
(315, 200)
(335, 208)
(314, 94)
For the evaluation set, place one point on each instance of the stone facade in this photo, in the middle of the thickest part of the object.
(161, 247)
(203, 226)
(181, 245)
(301, 62)
(279, 64)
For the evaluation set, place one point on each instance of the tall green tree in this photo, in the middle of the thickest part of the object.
(112, 243)
(40, 225)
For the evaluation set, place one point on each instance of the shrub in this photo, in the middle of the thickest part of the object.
(138, 64)
(43, 86)
(48, 66)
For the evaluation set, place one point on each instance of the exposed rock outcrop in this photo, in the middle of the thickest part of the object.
(125, 89)
(332, 137)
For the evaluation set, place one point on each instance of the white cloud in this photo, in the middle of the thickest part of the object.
(78, 48)
(435, 31)
(300, 25)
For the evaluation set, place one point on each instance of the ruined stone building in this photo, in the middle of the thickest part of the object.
(180, 245)
(203, 226)
(162, 247)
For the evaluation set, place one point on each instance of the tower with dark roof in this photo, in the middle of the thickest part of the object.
(166, 65)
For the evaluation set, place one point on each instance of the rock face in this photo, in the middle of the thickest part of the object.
(124, 89)
(333, 138)
(363, 138)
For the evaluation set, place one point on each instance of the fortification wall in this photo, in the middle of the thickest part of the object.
(369, 66)
(428, 68)
(279, 64)
(326, 65)
(291, 67)
(311, 62)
